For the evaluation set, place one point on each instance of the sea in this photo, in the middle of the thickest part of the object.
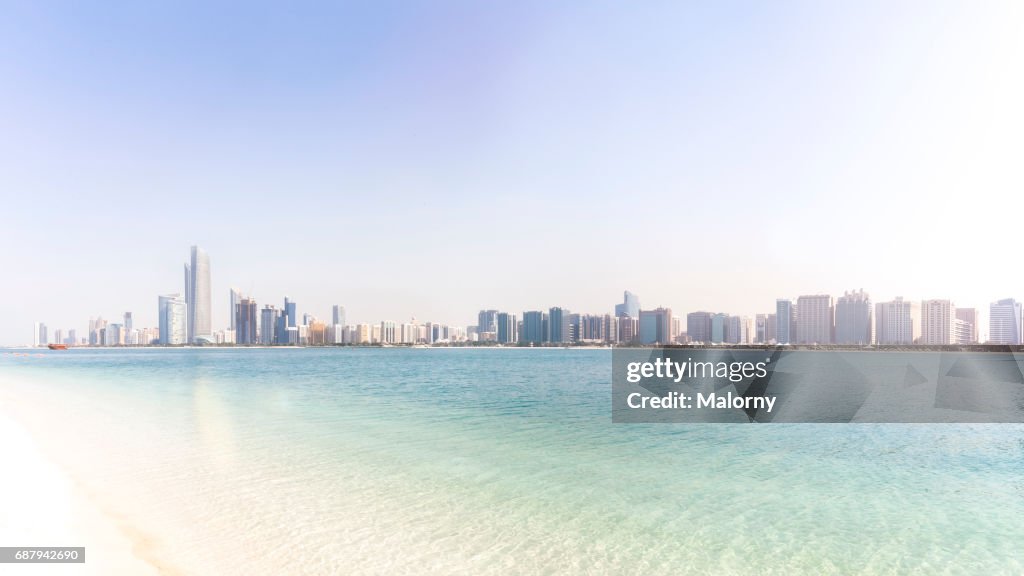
(495, 461)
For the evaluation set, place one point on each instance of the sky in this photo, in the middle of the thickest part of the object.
(430, 159)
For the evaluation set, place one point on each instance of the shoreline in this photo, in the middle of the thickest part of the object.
(50, 509)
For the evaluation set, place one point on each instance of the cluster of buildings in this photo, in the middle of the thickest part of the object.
(851, 319)
(559, 326)
(819, 319)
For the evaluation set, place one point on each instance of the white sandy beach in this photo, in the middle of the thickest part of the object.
(42, 506)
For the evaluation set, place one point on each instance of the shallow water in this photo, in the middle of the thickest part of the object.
(497, 461)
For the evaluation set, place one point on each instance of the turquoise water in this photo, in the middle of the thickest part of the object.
(497, 461)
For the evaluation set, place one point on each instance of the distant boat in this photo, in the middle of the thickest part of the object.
(57, 346)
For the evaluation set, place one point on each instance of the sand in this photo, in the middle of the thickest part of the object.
(42, 506)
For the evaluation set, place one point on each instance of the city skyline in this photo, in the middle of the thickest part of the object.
(853, 318)
(434, 162)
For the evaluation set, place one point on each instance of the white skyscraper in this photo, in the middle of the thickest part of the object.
(938, 322)
(172, 312)
(897, 322)
(814, 319)
(39, 334)
(236, 297)
(1004, 325)
(853, 319)
(338, 315)
(200, 328)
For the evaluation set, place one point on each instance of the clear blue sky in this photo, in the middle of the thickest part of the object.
(435, 158)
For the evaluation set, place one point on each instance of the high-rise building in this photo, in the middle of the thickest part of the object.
(698, 327)
(268, 325)
(814, 319)
(966, 326)
(656, 326)
(1004, 322)
(784, 325)
(760, 329)
(389, 332)
(39, 336)
(410, 333)
(245, 322)
(558, 325)
(897, 322)
(338, 315)
(200, 323)
(630, 305)
(719, 324)
(290, 314)
(128, 321)
(629, 328)
(611, 328)
(854, 318)
(507, 325)
(534, 331)
(235, 298)
(96, 327)
(770, 328)
(113, 335)
(172, 319)
(487, 321)
(938, 322)
(737, 330)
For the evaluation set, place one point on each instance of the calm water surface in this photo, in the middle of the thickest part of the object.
(497, 461)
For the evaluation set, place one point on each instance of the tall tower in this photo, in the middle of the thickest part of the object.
(1005, 322)
(784, 321)
(198, 294)
(236, 297)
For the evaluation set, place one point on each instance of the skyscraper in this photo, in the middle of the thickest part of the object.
(737, 330)
(533, 327)
(507, 325)
(235, 298)
(966, 326)
(854, 318)
(655, 326)
(245, 322)
(338, 315)
(200, 329)
(897, 322)
(760, 329)
(487, 321)
(389, 332)
(698, 327)
(718, 327)
(268, 325)
(172, 312)
(630, 305)
(128, 321)
(938, 322)
(784, 321)
(628, 329)
(558, 325)
(39, 337)
(1004, 323)
(814, 319)
(289, 313)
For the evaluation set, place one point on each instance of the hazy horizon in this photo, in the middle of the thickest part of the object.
(434, 160)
